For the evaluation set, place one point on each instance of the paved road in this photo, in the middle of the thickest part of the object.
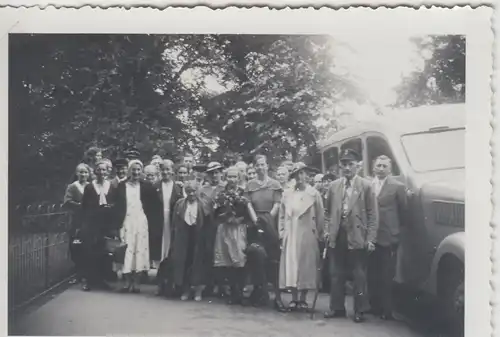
(74, 312)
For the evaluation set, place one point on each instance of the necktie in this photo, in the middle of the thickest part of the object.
(345, 199)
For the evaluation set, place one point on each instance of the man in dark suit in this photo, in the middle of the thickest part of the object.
(392, 205)
(161, 233)
(350, 234)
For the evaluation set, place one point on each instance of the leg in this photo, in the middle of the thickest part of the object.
(127, 283)
(256, 266)
(337, 258)
(389, 270)
(337, 269)
(198, 290)
(357, 263)
(374, 278)
(236, 281)
(136, 282)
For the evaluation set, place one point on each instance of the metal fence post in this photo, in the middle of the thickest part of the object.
(47, 264)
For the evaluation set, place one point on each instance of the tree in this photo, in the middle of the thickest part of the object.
(157, 93)
(442, 79)
(279, 87)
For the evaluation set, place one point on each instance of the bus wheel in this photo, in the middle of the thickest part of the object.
(452, 295)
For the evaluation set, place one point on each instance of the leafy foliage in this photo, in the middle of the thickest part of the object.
(210, 94)
(442, 79)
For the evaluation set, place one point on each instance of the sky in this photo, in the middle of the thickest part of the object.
(379, 62)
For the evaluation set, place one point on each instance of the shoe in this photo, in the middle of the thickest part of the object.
(279, 306)
(124, 289)
(85, 287)
(302, 306)
(358, 317)
(198, 298)
(293, 306)
(387, 317)
(374, 312)
(184, 297)
(335, 314)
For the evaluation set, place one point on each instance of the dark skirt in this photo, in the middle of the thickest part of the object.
(191, 246)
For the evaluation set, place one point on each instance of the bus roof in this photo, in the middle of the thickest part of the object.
(403, 121)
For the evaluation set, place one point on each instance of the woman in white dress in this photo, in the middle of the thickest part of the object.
(136, 204)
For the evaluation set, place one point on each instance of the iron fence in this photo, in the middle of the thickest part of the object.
(39, 255)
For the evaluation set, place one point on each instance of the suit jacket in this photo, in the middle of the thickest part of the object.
(361, 220)
(150, 204)
(115, 182)
(392, 206)
(203, 247)
(156, 233)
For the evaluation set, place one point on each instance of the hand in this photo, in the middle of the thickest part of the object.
(370, 246)
(180, 183)
(326, 236)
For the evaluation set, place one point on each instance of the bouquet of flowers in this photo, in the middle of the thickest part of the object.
(231, 206)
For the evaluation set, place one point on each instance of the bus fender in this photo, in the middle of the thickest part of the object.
(454, 245)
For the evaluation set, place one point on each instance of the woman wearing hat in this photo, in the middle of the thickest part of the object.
(136, 205)
(207, 195)
(301, 221)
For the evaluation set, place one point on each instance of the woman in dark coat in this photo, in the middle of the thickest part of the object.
(191, 247)
(96, 225)
(136, 205)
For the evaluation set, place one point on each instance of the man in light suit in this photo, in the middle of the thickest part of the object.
(350, 235)
(162, 231)
(392, 206)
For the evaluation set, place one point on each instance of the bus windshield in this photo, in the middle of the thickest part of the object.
(435, 150)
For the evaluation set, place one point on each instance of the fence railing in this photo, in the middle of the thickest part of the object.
(39, 255)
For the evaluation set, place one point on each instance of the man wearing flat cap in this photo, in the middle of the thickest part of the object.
(350, 234)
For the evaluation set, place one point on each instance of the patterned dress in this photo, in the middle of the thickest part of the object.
(231, 238)
(134, 232)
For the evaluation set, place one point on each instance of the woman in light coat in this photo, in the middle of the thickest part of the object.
(301, 221)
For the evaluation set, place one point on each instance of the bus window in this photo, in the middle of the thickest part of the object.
(331, 159)
(355, 144)
(378, 146)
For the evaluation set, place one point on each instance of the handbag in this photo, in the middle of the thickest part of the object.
(116, 249)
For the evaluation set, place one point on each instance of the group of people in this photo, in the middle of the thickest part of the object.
(212, 230)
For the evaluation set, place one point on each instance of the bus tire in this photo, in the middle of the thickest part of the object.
(451, 294)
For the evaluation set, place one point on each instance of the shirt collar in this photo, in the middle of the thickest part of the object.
(353, 180)
(380, 181)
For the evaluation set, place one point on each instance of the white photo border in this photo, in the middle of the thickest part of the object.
(476, 24)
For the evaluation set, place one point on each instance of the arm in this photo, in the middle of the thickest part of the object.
(328, 211)
(69, 197)
(402, 204)
(277, 201)
(281, 219)
(251, 212)
(371, 213)
(320, 215)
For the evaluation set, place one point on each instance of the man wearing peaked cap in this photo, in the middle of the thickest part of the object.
(349, 155)
(132, 153)
(350, 235)
(121, 167)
